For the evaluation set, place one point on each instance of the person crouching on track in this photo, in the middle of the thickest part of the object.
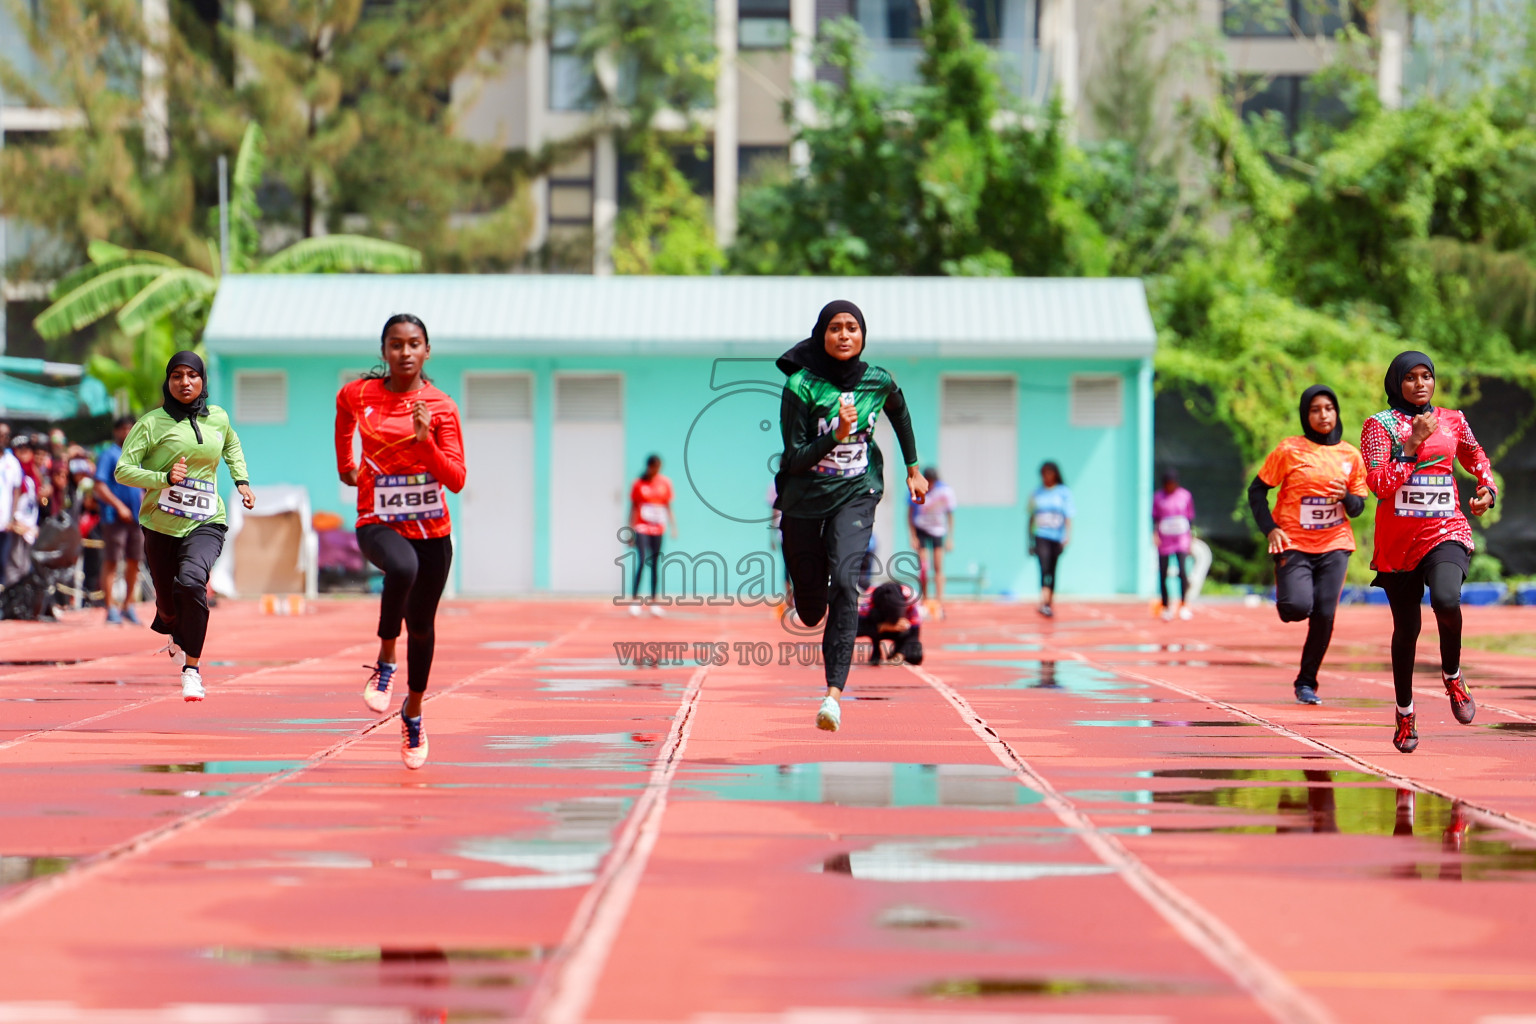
(892, 611)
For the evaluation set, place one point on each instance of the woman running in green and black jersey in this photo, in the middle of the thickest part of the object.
(830, 479)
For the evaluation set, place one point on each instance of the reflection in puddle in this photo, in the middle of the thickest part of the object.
(222, 767)
(1062, 986)
(44, 662)
(189, 793)
(607, 751)
(862, 784)
(1519, 727)
(1147, 723)
(925, 861)
(917, 918)
(975, 648)
(15, 869)
(1070, 677)
(394, 967)
(567, 855)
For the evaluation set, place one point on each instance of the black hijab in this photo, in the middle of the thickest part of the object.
(1404, 362)
(811, 354)
(184, 410)
(1335, 435)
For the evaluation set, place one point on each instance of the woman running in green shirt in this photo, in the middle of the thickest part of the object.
(173, 453)
(831, 477)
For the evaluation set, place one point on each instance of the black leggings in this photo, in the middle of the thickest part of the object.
(1182, 558)
(415, 572)
(1443, 570)
(648, 548)
(1307, 586)
(179, 568)
(1048, 551)
(824, 558)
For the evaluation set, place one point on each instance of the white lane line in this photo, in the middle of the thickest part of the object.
(24, 897)
(566, 989)
(1270, 988)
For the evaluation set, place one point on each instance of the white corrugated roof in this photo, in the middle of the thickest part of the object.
(941, 316)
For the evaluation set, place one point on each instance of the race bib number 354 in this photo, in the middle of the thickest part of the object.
(1431, 495)
(190, 499)
(403, 498)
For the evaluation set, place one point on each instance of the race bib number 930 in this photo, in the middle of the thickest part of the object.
(190, 499)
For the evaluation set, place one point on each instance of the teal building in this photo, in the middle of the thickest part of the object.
(566, 384)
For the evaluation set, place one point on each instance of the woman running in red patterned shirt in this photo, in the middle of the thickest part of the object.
(1422, 538)
(412, 449)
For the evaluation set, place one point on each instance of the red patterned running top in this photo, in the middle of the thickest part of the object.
(400, 482)
(1417, 504)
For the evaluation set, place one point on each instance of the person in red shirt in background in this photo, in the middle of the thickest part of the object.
(1422, 537)
(650, 511)
(413, 448)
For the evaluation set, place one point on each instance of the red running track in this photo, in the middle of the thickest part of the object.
(1101, 818)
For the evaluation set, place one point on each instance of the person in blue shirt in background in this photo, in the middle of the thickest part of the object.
(1050, 529)
(122, 540)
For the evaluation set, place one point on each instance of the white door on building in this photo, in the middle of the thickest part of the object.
(588, 483)
(495, 532)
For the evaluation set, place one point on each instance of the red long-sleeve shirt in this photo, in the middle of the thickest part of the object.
(401, 479)
(1418, 507)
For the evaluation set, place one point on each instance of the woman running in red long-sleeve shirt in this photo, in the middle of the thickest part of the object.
(412, 449)
(1422, 538)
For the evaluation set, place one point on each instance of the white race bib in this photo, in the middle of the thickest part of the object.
(847, 459)
(403, 498)
(1427, 495)
(1049, 520)
(190, 499)
(652, 513)
(1318, 513)
(1173, 526)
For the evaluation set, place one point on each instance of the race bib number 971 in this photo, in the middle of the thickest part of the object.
(1431, 495)
(190, 499)
(408, 497)
(1319, 513)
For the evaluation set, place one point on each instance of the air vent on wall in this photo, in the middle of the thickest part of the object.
(587, 398)
(1098, 400)
(979, 401)
(261, 396)
(498, 396)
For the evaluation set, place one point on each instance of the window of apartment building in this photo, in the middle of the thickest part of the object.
(1288, 18)
(754, 164)
(903, 18)
(1296, 98)
(570, 73)
(570, 193)
(762, 24)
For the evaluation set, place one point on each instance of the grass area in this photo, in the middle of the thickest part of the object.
(1523, 644)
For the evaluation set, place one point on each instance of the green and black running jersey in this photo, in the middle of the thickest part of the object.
(819, 474)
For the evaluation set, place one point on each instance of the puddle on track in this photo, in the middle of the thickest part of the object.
(1148, 723)
(15, 869)
(936, 860)
(220, 767)
(565, 855)
(1049, 987)
(1069, 676)
(860, 784)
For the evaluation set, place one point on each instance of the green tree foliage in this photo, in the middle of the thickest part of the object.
(96, 178)
(666, 228)
(358, 100)
(944, 178)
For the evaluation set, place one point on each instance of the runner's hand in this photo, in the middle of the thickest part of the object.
(349, 478)
(1337, 490)
(917, 484)
(246, 497)
(1423, 427)
(847, 419)
(179, 471)
(1480, 501)
(1279, 541)
(421, 419)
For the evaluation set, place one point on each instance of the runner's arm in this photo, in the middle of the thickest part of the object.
(1474, 460)
(130, 465)
(1258, 504)
(443, 451)
(1353, 505)
(1384, 475)
(803, 447)
(901, 422)
(234, 457)
(346, 426)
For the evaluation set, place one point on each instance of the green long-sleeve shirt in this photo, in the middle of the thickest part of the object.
(819, 474)
(152, 448)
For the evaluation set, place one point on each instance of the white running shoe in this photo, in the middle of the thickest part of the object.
(634, 610)
(1168, 614)
(192, 684)
(376, 691)
(1185, 613)
(830, 717)
(657, 610)
(413, 743)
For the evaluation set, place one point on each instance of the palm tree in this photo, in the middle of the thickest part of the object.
(151, 293)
